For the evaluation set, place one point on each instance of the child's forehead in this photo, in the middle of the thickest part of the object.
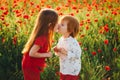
(64, 21)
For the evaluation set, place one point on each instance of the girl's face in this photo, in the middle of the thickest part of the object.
(62, 27)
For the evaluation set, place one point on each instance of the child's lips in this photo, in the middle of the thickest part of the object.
(58, 29)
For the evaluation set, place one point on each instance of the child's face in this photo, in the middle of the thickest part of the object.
(56, 28)
(62, 27)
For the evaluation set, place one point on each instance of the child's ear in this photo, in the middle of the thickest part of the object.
(70, 32)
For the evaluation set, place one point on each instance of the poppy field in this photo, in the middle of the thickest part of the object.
(99, 36)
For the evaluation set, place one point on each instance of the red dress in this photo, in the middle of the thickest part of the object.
(33, 66)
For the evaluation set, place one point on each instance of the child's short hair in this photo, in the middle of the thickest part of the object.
(72, 25)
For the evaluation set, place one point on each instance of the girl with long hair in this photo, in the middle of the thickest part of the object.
(38, 45)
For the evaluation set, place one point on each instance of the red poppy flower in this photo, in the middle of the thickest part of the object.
(2, 18)
(15, 1)
(96, 20)
(77, 11)
(6, 12)
(18, 15)
(42, 1)
(4, 22)
(89, 8)
(58, 8)
(101, 13)
(99, 50)
(3, 40)
(17, 11)
(87, 27)
(26, 16)
(81, 24)
(61, 13)
(80, 43)
(67, 5)
(87, 15)
(88, 21)
(74, 7)
(72, 14)
(107, 68)
(48, 6)
(14, 40)
(58, 73)
(111, 18)
(19, 22)
(93, 53)
(104, 0)
(2, 8)
(37, 6)
(101, 31)
(81, 36)
(106, 41)
(31, 3)
(114, 49)
(118, 23)
(114, 12)
(14, 5)
(7, 24)
(69, 1)
(106, 28)
(110, 6)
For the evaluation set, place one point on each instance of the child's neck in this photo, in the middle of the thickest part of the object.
(66, 35)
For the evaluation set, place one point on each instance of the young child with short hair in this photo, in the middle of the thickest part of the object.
(68, 49)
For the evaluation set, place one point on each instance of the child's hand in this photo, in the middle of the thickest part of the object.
(63, 51)
(56, 49)
(60, 50)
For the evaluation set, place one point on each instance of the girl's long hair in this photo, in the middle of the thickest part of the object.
(44, 25)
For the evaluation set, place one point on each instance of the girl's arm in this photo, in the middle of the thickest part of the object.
(34, 52)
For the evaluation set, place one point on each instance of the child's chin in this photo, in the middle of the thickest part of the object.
(55, 30)
(59, 32)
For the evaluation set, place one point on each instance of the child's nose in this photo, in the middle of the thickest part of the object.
(58, 26)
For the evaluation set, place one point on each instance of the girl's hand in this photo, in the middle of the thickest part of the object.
(56, 50)
(49, 54)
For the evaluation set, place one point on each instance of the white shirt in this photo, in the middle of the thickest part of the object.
(70, 63)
